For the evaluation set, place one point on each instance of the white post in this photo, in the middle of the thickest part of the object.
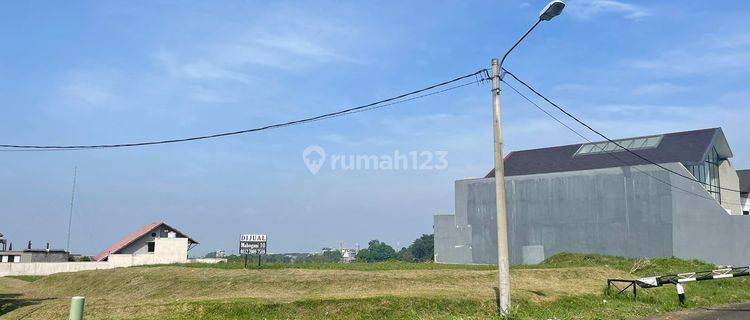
(680, 293)
(503, 263)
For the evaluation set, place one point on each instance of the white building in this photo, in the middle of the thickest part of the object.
(348, 255)
(154, 243)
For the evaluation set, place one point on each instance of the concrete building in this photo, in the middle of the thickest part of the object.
(597, 198)
(153, 241)
(8, 255)
(348, 255)
(34, 255)
(745, 190)
(216, 254)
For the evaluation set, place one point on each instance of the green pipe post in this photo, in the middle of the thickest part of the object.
(76, 308)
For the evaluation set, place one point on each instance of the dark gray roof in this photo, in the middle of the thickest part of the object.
(687, 147)
(744, 180)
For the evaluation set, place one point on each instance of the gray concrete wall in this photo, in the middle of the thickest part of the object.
(729, 180)
(614, 211)
(704, 230)
(452, 242)
(48, 257)
(38, 256)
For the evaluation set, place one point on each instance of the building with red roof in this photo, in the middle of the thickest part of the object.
(155, 240)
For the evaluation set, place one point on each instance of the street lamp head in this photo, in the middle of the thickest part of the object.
(553, 9)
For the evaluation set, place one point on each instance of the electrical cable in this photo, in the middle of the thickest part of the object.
(607, 138)
(369, 106)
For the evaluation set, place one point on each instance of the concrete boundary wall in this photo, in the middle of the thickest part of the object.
(704, 231)
(614, 211)
(625, 211)
(168, 251)
(47, 268)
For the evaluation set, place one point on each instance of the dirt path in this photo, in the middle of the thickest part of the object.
(740, 311)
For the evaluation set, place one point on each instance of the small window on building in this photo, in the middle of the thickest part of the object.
(586, 148)
(630, 144)
(637, 143)
(153, 234)
(611, 147)
(598, 147)
(746, 213)
(12, 259)
(652, 142)
(151, 246)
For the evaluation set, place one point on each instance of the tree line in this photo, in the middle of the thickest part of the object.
(421, 250)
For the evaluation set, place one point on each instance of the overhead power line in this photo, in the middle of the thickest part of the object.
(416, 94)
(609, 153)
(607, 138)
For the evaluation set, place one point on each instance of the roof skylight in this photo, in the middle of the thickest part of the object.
(631, 144)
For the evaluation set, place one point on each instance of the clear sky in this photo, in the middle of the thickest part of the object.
(109, 72)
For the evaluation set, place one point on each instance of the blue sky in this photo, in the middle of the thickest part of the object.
(95, 72)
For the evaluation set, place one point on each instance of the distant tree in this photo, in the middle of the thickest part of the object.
(277, 258)
(269, 258)
(327, 256)
(423, 249)
(332, 256)
(405, 255)
(364, 255)
(376, 251)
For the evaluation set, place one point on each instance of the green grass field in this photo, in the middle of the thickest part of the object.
(381, 266)
(566, 286)
(27, 278)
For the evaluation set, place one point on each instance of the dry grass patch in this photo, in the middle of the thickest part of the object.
(140, 292)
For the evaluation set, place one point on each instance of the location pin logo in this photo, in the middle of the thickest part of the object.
(314, 157)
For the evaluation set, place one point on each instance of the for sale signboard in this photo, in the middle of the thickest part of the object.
(253, 244)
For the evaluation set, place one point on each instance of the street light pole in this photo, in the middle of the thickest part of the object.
(503, 263)
(553, 9)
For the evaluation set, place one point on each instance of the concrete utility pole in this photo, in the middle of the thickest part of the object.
(503, 263)
(553, 9)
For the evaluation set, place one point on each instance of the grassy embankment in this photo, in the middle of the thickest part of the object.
(563, 287)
